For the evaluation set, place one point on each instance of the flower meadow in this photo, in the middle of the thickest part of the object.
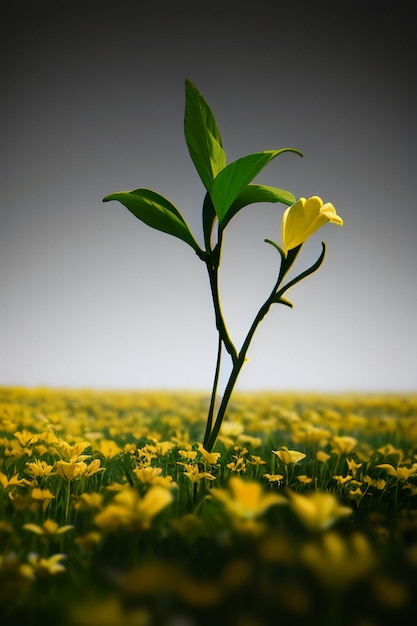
(112, 513)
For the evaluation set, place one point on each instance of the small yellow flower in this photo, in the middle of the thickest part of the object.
(322, 456)
(402, 473)
(41, 496)
(14, 481)
(39, 468)
(303, 218)
(338, 561)
(193, 473)
(344, 444)
(342, 479)
(246, 499)
(189, 455)
(289, 456)
(129, 509)
(317, 510)
(48, 529)
(43, 567)
(88, 501)
(212, 458)
(303, 478)
(274, 478)
(152, 476)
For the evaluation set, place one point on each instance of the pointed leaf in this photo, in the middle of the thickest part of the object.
(209, 217)
(155, 211)
(231, 180)
(258, 193)
(304, 274)
(284, 301)
(202, 136)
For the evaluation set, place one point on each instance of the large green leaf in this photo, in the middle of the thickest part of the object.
(231, 180)
(155, 211)
(202, 136)
(258, 193)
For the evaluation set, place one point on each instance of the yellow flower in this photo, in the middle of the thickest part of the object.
(48, 528)
(302, 478)
(129, 509)
(402, 473)
(303, 218)
(190, 455)
(151, 476)
(40, 468)
(339, 561)
(289, 456)
(246, 499)
(77, 469)
(193, 473)
(322, 457)
(344, 444)
(43, 566)
(14, 481)
(212, 458)
(41, 497)
(274, 478)
(317, 510)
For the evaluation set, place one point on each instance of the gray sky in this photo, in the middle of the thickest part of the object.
(93, 103)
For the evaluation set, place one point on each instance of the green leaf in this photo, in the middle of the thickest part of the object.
(284, 301)
(258, 193)
(155, 211)
(209, 217)
(231, 180)
(202, 136)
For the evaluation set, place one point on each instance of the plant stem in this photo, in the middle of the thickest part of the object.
(237, 366)
(213, 393)
(213, 263)
(212, 432)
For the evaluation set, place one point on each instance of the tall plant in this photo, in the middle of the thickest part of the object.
(229, 188)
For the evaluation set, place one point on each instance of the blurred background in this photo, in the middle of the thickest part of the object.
(93, 103)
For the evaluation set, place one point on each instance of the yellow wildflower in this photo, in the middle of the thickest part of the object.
(317, 510)
(78, 469)
(342, 479)
(128, 508)
(246, 499)
(151, 476)
(39, 468)
(289, 456)
(337, 561)
(343, 445)
(43, 567)
(402, 473)
(322, 456)
(48, 529)
(14, 481)
(41, 496)
(87, 501)
(189, 455)
(303, 218)
(193, 473)
(302, 478)
(212, 458)
(274, 478)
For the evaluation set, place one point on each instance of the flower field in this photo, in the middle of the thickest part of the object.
(113, 514)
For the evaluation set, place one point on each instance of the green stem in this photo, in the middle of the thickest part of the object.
(213, 393)
(237, 366)
(213, 270)
(212, 432)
